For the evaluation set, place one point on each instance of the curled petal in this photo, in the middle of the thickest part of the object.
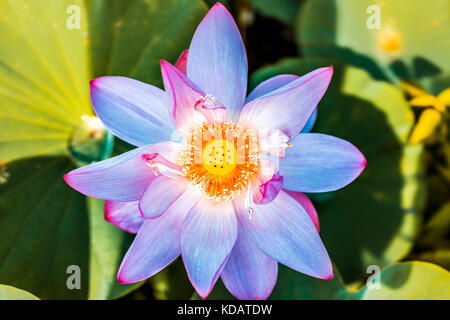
(249, 273)
(207, 237)
(269, 190)
(289, 107)
(217, 60)
(211, 109)
(121, 178)
(320, 163)
(283, 230)
(134, 111)
(124, 215)
(157, 243)
(268, 183)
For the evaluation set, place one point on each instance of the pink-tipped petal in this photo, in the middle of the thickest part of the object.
(134, 111)
(157, 243)
(181, 63)
(284, 231)
(217, 60)
(207, 237)
(306, 203)
(124, 215)
(121, 178)
(320, 163)
(183, 95)
(159, 196)
(249, 274)
(289, 107)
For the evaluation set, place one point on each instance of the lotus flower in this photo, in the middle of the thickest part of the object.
(227, 196)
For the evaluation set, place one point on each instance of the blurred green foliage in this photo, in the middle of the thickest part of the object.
(396, 212)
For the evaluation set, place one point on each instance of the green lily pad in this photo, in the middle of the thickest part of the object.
(44, 77)
(410, 41)
(44, 229)
(410, 281)
(440, 257)
(108, 245)
(283, 10)
(11, 293)
(129, 38)
(401, 281)
(45, 69)
(375, 219)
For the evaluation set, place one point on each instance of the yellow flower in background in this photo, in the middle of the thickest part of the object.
(434, 109)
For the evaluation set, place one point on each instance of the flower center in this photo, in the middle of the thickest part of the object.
(220, 159)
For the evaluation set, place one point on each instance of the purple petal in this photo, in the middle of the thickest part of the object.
(134, 111)
(307, 205)
(121, 178)
(270, 85)
(217, 60)
(289, 107)
(207, 237)
(157, 243)
(159, 196)
(124, 215)
(183, 95)
(320, 163)
(181, 63)
(283, 230)
(311, 122)
(249, 274)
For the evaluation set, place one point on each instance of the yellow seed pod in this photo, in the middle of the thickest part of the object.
(428, 101)
(412, 89)
(427, 123)
(444, 97)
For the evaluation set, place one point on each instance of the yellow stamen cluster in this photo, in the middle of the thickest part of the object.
(220, 159)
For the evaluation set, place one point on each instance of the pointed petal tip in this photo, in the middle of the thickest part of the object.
(218, 6)
(120, 280)
(123, 279)
(203, 296)
(94, 82)
(329, 274)
(67, 179)
(363, 162)
(202, 293)
(120, 276)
